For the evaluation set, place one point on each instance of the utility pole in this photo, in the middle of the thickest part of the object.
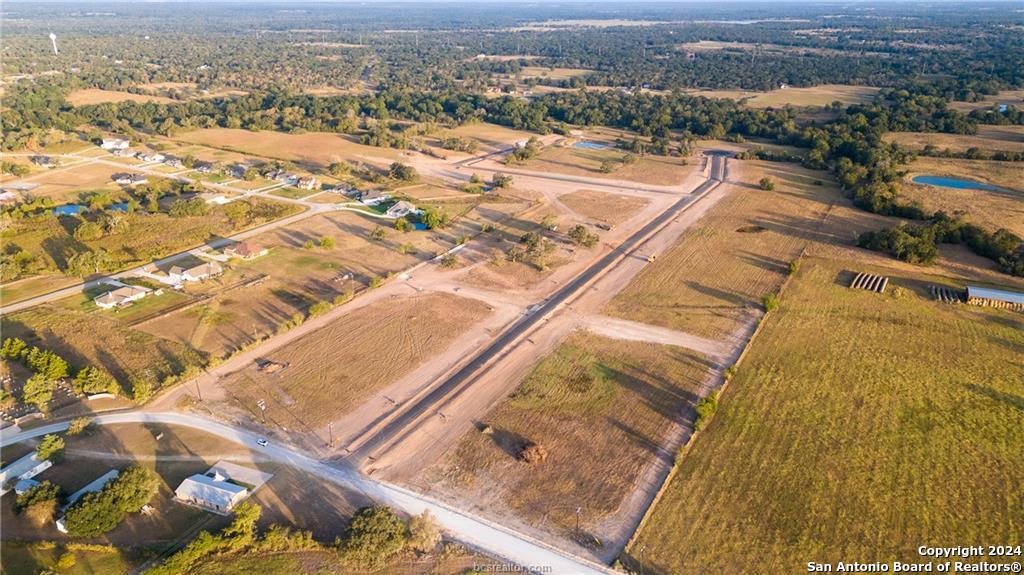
(578, 509)
(263, 410)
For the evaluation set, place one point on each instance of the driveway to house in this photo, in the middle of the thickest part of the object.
(493, 539)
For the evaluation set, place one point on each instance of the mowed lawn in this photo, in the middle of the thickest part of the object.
(859, 427)
(600, 407)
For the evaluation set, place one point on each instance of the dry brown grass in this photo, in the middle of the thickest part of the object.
(740, 251)
(96, 96)
(990, 138)
(815, 96)
(599, 407)
(334, 369)
(602, 206)
(65, 184)
(316, 150)
(657, 170)
(1015, 97)
(553, 73)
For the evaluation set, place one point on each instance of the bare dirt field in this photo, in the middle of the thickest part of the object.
(331, 371)
(599, 407)
(717, 273)
(602, 206)
(97, 96)
(490, 136)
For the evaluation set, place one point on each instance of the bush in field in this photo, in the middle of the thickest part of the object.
(449, 260)
(770, 302)
(319, 308)
(705, 408)
(327, 243)
(766, 184)
(142, 390)
(376, 282)
(533, 453)
(50, 447)
(581, 237)
(98, 513)
(403, 225)
(378, 233)
(424, 533)
(374, 536)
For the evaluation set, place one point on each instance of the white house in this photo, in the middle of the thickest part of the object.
(130, 179)
(401, 209)
(121, 296)
(306, 182)
(373, 197)
(197, 273)
(154, 157)
(25, 468)
(212, 491)
(115, 144)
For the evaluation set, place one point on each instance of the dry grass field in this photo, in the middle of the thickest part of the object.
(992, 209)
(490, 136)
(553, 73)
(657, 170)
(20, 557)
(89, 96)
(12, 292)
(449, 562)
(314, 150)
(334, 369)
(61, 185)
(858, 426)
(740, 251)
(1014, 97)
(599, 406)
(602, 206)
(989, 138)
(815, 96)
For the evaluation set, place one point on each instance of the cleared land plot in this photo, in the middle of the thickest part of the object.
(600, 407)
(32, 286)
(449, 562)
(490, 136)
(602, 206)
(553, 73)
(66, 184)
(740, 251)
(334, 369)
(657, 170)
(316, 150)
(1009, 97)
(988, 138)
(815, 96)
(818, 443)
(97, 96)
(21, 557)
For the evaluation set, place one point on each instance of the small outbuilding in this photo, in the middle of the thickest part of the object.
(212, 491)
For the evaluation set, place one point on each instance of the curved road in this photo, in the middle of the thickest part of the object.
(473, 531)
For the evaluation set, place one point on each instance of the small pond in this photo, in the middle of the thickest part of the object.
(590, 145)
(78, 209)
(944, 182)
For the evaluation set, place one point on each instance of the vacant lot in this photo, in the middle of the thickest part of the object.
(314, 150)
(1003, 174)
(451, 562)
(97, 96)
(815, 96)
(719, 270)
(490, 136)
(658, 170)
(817, 447)
(600, 408)
(988, 138)
(21, 557)
(93, 339)
(62, 185)
(553, 73)
(333, 370)
(602, 206)
(1010, 97)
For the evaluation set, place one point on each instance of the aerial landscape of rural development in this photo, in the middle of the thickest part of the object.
(457, 288)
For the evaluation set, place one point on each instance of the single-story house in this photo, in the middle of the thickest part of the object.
(130, 179)
(995, 298)
(174, 163)
(124, 153)
(26, 467)
(245, 251)
(154, 157)
(195, 274)
(306, 182)
(401, 209)
(44, 161)
(114, 143)
(373, 197)
(204, 167)
(211, 491)
(121, 296)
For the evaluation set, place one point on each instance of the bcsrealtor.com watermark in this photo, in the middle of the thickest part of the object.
(959, 559)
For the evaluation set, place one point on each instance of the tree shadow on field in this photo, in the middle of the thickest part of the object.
(505, 439)
(716, 293)
(1009, 399)
(844, 278)
(764, 262)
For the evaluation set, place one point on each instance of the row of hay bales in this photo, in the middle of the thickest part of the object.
(870, 282)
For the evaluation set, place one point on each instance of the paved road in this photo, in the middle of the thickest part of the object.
(479, 533)
(400, 424)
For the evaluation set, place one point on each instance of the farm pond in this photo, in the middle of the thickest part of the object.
(955, 183)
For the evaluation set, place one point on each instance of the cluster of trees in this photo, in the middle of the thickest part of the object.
(49, 369)
(374, 537)
(533, 249)
(581, 236)
(39, 503)
(918, 244)
(97, 513)
(460, 144)
(933, 151)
